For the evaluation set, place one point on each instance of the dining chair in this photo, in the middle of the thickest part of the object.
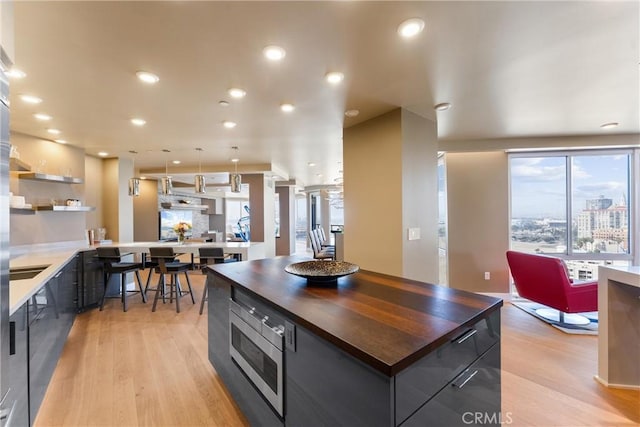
(211, 256)
(167, 265)
(113, 264)
(318, 252)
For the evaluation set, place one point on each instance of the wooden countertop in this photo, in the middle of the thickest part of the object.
(386, 322)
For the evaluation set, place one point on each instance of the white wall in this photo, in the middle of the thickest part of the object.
(48, 226)
(390, 185)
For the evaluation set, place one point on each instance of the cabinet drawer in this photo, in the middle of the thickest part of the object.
(473, 397)
(418, 383)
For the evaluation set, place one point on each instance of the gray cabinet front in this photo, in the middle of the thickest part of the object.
(18, 367)
(472, 398)
(51, 315)
(90, 280)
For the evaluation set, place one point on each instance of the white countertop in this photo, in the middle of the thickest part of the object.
(55, 255)
(621, 273)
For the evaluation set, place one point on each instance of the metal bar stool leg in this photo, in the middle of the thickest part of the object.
(123, 287)
(159, 288)
(142, 291)
(106, 276)
(193, 300)
(204, 296)
(176, 284)
(146, 287)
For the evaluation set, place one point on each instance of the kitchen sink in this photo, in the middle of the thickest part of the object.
(27, 272)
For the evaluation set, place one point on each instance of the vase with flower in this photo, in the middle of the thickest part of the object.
(180, 229)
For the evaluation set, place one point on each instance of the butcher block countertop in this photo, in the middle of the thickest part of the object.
(384, 321)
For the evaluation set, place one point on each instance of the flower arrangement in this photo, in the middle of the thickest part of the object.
(181, 228)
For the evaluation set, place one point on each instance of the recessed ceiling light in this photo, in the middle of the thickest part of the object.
(274, 53)
(60, 141)
(15, 73)
(102, 153)
(443, 106)
(351, 113)
(235, 160)
(287, 108)
(236, 92)
(610, 125)
(411, 27)
(223, 103)
(31, 99)
(147, 77)
(176, 162)
(311, 164)
(42, 116)
(228, 124)
(319, 175)
(143, 177)
(54, 131)
(334, 77)
(138, 121)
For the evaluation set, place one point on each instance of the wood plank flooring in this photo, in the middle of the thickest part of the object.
(151, 369)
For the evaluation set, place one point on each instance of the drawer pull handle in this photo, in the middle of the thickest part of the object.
(465, 381)
(467, 336)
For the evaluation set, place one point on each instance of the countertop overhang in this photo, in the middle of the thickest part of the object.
(386, 322)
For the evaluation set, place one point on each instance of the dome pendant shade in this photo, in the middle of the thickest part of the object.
(235, 180)
(200, 184)
(167, 185)
(134, 186)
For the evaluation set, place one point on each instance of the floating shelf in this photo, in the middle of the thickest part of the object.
(16, 164)
(35, 176)
(64, 208)
(184, 206)
(21, 211)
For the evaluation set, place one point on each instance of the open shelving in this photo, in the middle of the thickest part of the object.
(37, 176)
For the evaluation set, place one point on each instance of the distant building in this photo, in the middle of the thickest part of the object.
(605, 223)
(598, 204)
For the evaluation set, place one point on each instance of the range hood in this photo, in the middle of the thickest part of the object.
(184, 206)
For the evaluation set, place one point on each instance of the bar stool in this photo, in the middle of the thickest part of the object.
(165, 257)
(112, 264)
(210, 256)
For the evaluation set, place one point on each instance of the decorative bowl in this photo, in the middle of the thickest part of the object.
(321, 272)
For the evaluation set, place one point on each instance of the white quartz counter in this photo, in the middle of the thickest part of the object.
(54, 255)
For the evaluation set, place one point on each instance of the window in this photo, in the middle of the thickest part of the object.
(237, 219)
(576, 205)
(443, 265)
(301, 223)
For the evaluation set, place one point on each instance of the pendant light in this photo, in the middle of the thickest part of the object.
(167, 185)
(134, 183)
(235, 179)
(199, 180)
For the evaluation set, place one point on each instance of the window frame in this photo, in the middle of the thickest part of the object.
(633, 204)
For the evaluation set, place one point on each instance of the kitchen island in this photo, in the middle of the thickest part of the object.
(372, 350)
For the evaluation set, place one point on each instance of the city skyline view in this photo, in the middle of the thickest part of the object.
(538, 184)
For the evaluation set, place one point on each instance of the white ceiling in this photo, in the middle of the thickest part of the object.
(510, 69)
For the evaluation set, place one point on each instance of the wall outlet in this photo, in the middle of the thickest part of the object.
(413, 234)
(487, 275)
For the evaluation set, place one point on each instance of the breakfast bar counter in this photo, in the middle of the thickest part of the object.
(372, 350)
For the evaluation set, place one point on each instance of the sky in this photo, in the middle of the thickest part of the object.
(538, 184)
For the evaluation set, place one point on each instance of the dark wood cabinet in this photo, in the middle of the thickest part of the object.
(18, 366)
(472, 398)
(90, 280)
(51, 313)
(455, 383)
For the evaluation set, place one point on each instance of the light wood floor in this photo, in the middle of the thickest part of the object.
(144, 368)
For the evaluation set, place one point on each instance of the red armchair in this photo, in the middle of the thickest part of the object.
(545, 280)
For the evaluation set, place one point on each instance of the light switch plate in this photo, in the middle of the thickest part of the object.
(413, 233)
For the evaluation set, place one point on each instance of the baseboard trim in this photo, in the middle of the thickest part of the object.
(620, 386)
